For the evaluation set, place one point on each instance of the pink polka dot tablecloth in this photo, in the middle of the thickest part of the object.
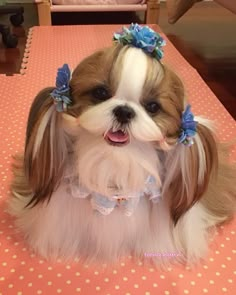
(21, 270)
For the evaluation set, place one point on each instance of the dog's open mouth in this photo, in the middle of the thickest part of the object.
(117, 138)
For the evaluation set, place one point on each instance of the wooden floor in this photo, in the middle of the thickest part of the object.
(205, 36)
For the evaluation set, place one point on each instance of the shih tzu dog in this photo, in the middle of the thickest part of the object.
(116, 164)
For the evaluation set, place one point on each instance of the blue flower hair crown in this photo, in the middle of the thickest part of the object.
(188, 127)
(61, 94)
(141, 37)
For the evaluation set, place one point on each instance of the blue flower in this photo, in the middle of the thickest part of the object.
(188, 127)
(141, 37)
(61, 94)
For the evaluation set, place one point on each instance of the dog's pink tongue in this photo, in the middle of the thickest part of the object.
(117, 136)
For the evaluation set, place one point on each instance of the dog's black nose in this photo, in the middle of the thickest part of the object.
(123, 114)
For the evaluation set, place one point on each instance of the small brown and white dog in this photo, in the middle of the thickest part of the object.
(107, 177)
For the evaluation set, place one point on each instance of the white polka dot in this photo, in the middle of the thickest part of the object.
(98, 288)
(115, 271)
(144, 278)
(59, 290)
(87, 281)
(205, 266)
(122, 264)
(78, 289)
(228, 258)
(224, 289)
(217, 252)
(227, 239)
(96, 273)
(167, 293)
(173, 284)
(21, 277)
(12, 270)
(50, 268)
(39, 292)
(68, 282)
(199, 275)
(59, 275)
(147, 293)
(31, 269)
(186, 291)
(132, 270)
(107, 280)
(223, 265)
(49, 283)
(136, 286)
(230, 281)
(162, 277)
(205, 290)
(30, 284)
(151, 269)
(217, 273)
(192, 283)
(117, 287)
(211, 259)
(10, 286)
(222, 245)
(68, 267)
(140, 263)
(181, 275)
(155, 285)
(2, 279)
(211, 282)
(77, 274)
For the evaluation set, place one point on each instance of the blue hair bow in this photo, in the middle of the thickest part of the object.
(61, 94)
(141, 37)
(188, 127)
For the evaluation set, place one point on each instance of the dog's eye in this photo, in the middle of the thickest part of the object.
(100, 93)
(152, 107)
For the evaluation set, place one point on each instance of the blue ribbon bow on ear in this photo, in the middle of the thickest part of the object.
(188, 127)
(61, 94)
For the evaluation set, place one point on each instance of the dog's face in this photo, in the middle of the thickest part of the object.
(122, 95)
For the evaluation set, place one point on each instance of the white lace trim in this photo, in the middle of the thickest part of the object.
(105, 205)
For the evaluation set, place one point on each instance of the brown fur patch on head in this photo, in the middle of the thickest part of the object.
(101, 69)
(165, 87)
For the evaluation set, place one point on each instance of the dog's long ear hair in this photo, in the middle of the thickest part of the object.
(45, 147)
(188, 169)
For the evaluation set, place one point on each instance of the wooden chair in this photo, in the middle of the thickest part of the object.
(45, 7)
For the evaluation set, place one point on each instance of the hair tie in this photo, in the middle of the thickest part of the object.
(141, 37)
(61, 94)
(188, 127)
